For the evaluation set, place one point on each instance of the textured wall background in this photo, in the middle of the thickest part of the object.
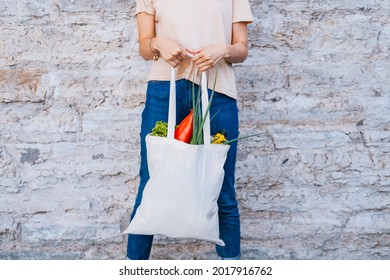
(317, 82)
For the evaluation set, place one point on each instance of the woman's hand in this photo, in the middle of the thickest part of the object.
(150, 45)
(169, 50)
(207, 57)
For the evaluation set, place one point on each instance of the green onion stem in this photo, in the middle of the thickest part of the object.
(244, 137)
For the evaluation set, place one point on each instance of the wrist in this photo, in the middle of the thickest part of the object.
(226, 51)
(153, 49)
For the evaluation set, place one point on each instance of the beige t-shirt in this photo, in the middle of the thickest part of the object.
(194, 24)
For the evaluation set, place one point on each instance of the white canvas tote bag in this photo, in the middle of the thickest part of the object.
(180, 198)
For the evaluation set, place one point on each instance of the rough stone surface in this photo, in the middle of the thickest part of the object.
(315, 185)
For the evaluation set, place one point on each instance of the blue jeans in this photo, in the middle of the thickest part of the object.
(224, 114)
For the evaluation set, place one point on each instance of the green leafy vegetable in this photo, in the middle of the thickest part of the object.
(160, 129)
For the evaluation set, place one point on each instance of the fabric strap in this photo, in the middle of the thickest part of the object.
(172, 107)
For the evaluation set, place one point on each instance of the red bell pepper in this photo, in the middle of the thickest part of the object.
(183, 131)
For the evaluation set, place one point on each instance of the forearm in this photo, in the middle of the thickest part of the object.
(147, 48)
(236, 53)
(146, 33)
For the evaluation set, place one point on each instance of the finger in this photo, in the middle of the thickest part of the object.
(176, 61)
(179, 58)
(173, 58)
(198, 59)
(183, 55)
(203, 68)
(193, 51)
(172, 63)
(205, 65)
(201, 62)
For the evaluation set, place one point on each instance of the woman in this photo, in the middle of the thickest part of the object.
(193, 36)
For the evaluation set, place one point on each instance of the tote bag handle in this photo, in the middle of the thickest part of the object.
(172, 108)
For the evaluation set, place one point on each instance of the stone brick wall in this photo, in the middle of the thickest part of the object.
(316, 185)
